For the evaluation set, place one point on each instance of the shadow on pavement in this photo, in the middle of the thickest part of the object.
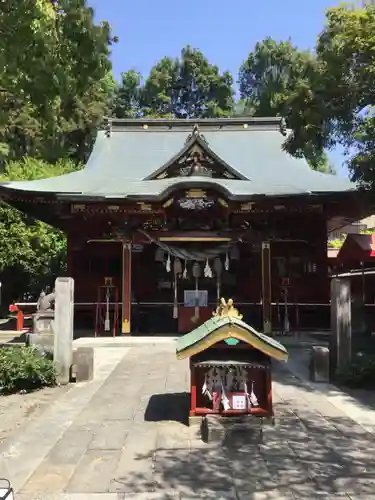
(168, 407)
(304, 455)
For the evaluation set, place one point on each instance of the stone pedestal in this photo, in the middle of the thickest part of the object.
(83, 364)
(231, 430)
(42, 337)
(42, 322)
(319, 364)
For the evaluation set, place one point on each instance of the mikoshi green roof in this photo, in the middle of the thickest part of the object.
(220, 328)
(128, 153)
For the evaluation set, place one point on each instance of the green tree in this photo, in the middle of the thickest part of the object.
(128, 95)
(55, 80)
(346, 87)
(276, 80)
(32, 254)
(188, 87)
(320, 162)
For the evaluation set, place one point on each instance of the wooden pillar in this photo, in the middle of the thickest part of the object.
(193, 390)
(266, 287)
(126, 287)
(341, 325)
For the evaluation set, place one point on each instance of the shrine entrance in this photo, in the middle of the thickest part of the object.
(177, 284)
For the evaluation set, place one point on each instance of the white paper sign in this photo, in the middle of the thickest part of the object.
(239, 402)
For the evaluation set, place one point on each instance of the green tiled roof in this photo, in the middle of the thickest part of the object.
(213, 324)
(122, 159)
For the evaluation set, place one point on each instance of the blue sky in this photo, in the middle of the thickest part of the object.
(225, 31)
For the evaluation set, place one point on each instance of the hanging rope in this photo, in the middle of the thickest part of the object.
(177, 269)
(185, 272)
(191, 255)
(218, 268)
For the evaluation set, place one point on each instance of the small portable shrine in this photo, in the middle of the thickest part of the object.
(230, 365)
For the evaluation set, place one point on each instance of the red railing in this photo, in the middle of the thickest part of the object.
(21, 316)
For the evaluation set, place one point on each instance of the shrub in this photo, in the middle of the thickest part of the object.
(361, 375)
(23, 368)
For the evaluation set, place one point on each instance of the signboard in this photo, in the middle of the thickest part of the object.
(190, 298)
(239, 402)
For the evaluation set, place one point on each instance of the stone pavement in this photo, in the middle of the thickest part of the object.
(124, 436)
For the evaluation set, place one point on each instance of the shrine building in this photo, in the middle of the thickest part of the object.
(169, 215)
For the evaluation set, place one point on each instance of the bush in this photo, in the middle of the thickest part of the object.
(361, 375)
(23, 368)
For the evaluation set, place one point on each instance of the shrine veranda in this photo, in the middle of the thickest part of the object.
(169, 215)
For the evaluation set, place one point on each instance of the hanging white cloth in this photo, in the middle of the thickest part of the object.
(207, 270)
(168, 264)
(224, 398)
(242, 377)
(208, 384)
(185, 272)
(253, 398)
(226, 265)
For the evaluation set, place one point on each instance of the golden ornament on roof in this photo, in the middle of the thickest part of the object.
(227, 309)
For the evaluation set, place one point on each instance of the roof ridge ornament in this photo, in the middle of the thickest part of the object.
(227, 309)
(195, 134)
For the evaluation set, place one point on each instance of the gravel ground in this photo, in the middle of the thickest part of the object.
(16, 409)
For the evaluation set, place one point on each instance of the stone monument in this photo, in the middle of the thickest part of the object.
(63, 328)
(341, 326)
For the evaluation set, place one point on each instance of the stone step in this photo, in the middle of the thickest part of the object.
(12, 337)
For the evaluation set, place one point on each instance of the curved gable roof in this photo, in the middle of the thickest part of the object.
(131, 151)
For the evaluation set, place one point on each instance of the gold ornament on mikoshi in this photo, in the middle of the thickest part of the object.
(225, 309)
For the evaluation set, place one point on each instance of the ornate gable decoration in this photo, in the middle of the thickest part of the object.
(196, 160)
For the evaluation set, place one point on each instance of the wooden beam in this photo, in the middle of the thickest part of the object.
(195, 238)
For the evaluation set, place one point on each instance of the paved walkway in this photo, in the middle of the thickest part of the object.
(124, 436)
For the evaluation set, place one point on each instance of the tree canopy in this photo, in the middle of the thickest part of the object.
(346, 87)
(55, 78)
(188, 87)
(55, 86)
(276, 80)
